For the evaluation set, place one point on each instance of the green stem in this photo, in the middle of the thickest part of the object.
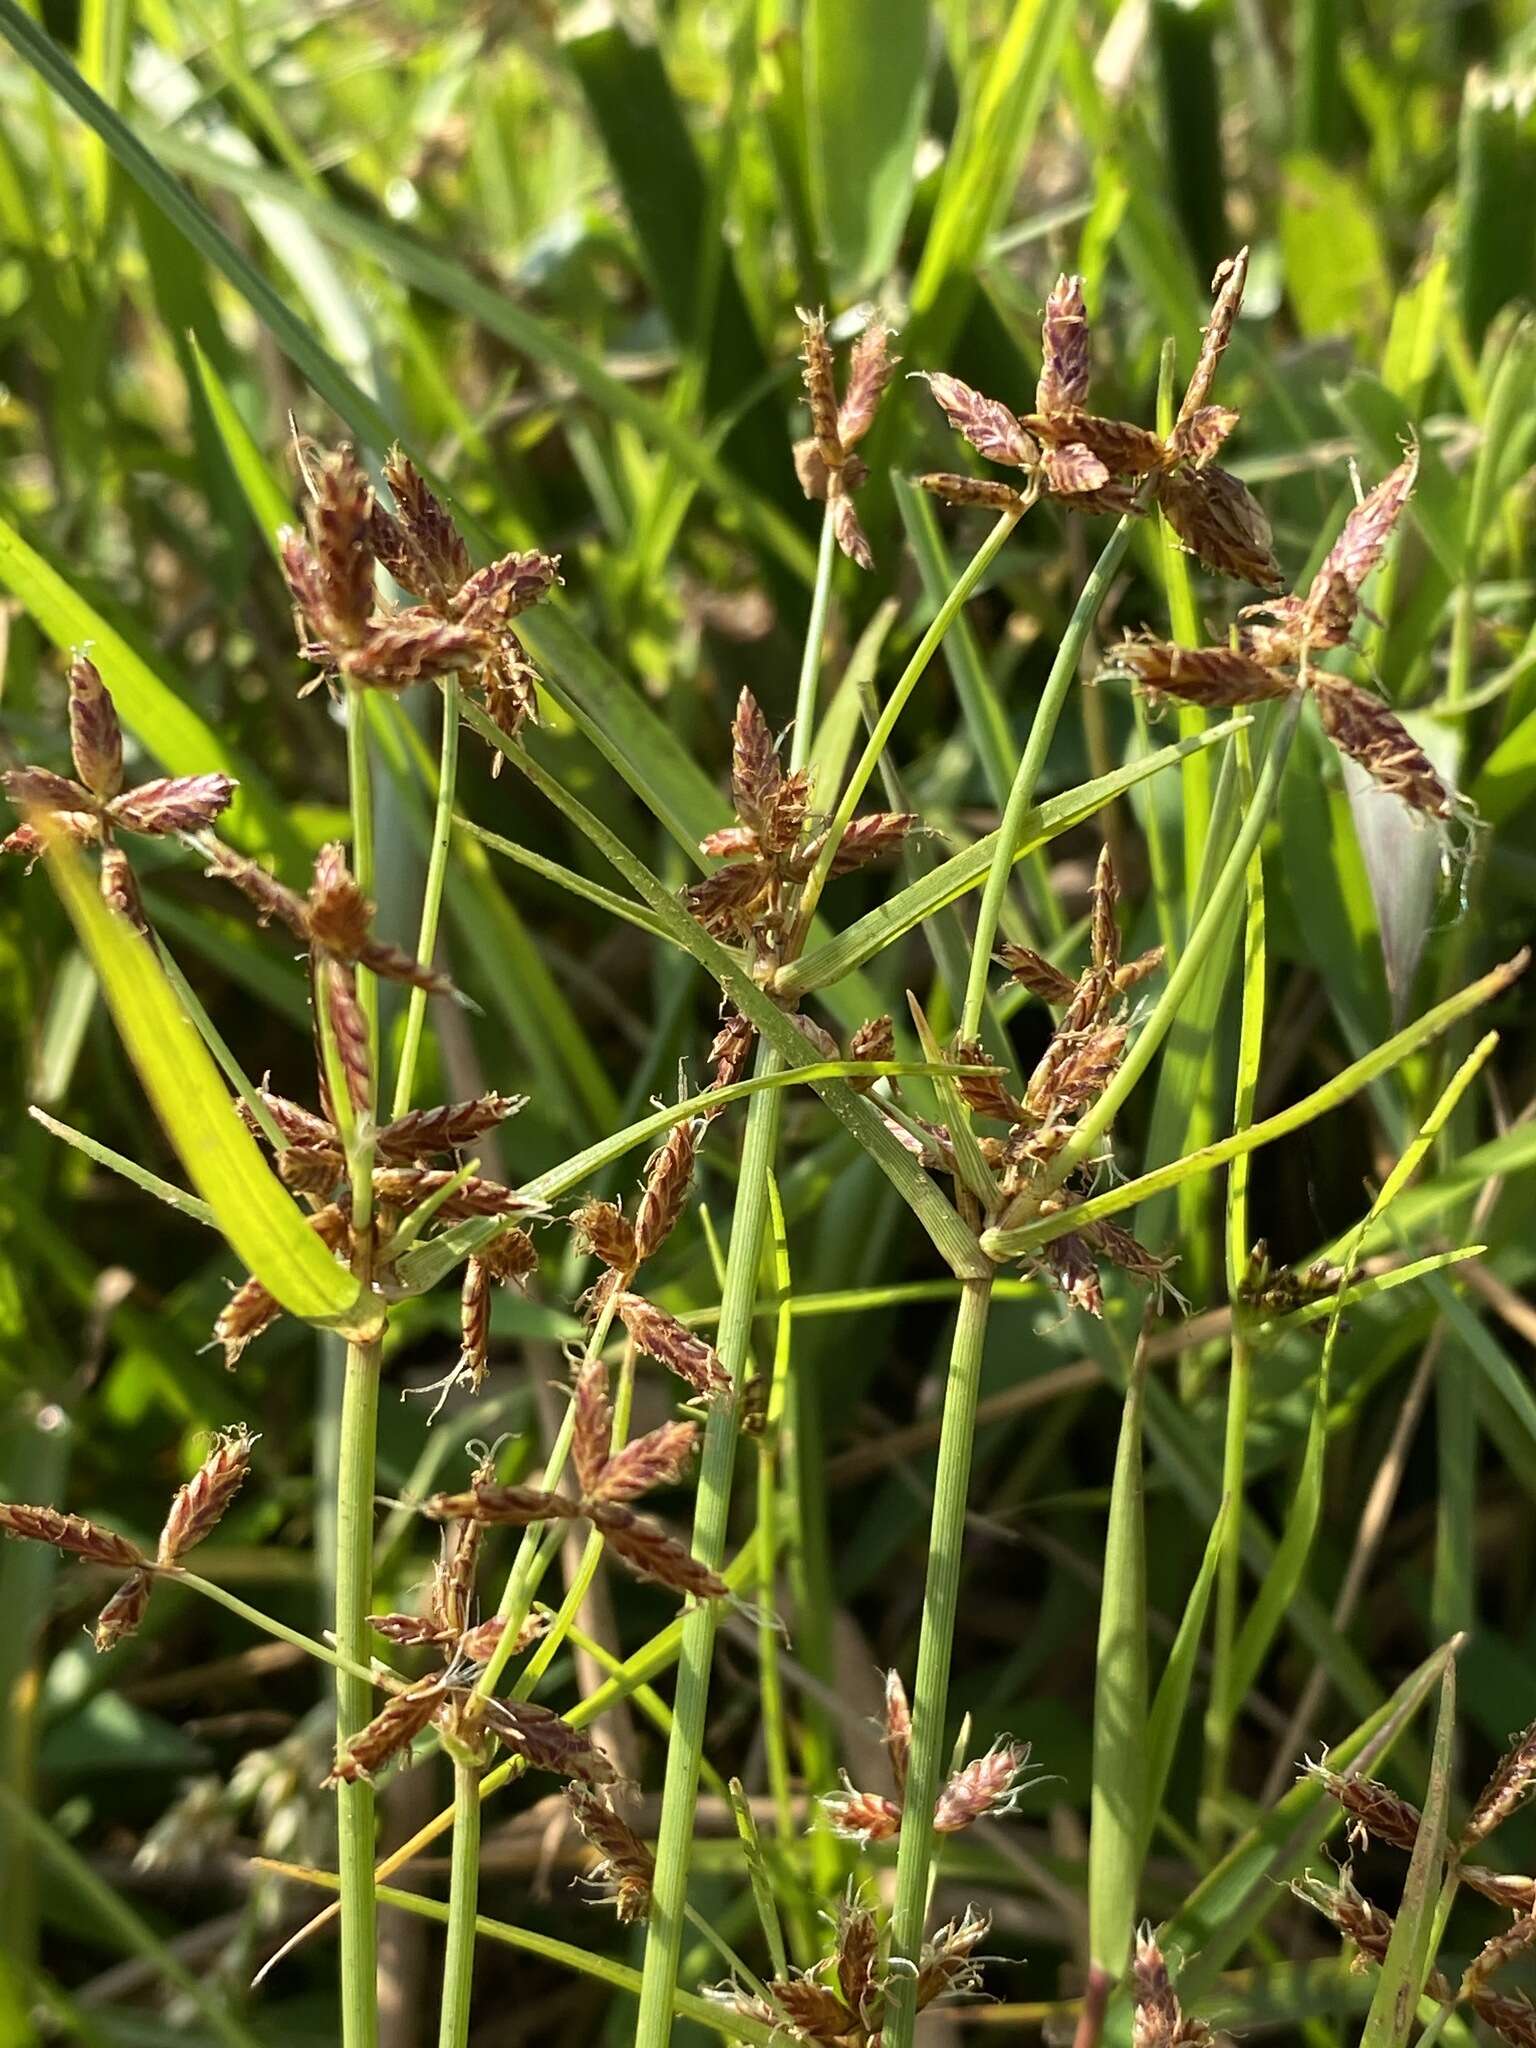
(1022, 795)
(664, 1937)
(463, 1897)
(815, 636)
(365, 1671)
(354, 1701)
(432, 895)
(911, 675)
(946, 1541)
(360, 787)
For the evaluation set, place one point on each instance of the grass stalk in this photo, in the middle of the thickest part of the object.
(941, 1594)
(354, 1698)
(463, 1893)
(432, 895)
(360, 792)
(815, 635)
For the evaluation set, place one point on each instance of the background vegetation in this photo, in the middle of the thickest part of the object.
(557, 252)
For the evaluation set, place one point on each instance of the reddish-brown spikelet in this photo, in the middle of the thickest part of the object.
(1361, 726)
(123, 1613)
(1137, 970)
(508, 682)
(820, 385)
(857, 1959)
(986, 1785)
(480, 1644)
(991, 427)
(812, 2010)
(1071, 1265)
(396, 1725)
(659, 1458)
(1373, 1808)
(510, 1259)
(474, 1323)
(1363, 539)
(872, 837)
(1512, 2016)
(547, 1742)
(338, 517)
(422, 1132)
(651, 1553)
(1065, 347)
(1514, 1894)
(875, 1039)
(898, 1728)
(1513, 1941)
(731, 842)
(606, 1233)
(258, 885)
(1221, 523)
(200, 1505)
(28, 844)
(625, 1864)
(172, 803)
(339, 912)
(670, 1343)
(1033, 971)
(1159, 2020)
(1073, 471)
(971, 490)
(249, 1311)
(501, 590)
(1365, 1924)
(1512, 1783)
(870, 368)
(724, 902)
(1228, 284)
(1108, 1240)
(402, 1187)
(426, 523)
(755, 771)
(730, 1049)
(849, 533)
(452, 1599)
(787, 812)
(861, 1816)
(985, 1094)
(44, 790)
(409, 1631)
(1105, 932)
(668, 1174)
(495, 1506)
(413, 647)
(349, 1027)
(95, 735)
(120, 887)
(70, 1533)
(948, 1965)
(591, 1424)
(299, 1125)
(1199, 439)
(1124, 448)
(306, 1172)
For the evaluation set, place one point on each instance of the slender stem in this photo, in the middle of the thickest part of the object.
(664, 1937)
(946, 1540)
(364, 1671)
(432, 895)
(463, 1891)
(895, 704)
(360, 787)
(354, 1574)
(815, 637)
(1027, 774)
(234, 1073)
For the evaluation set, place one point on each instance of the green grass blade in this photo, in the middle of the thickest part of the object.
(867, 68)
(1400, 1985)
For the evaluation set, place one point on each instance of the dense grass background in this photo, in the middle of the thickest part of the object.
(557, 251)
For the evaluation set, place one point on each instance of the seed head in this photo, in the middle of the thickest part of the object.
(870, 368)
(948, 1967)
(414, 646)
(1221, 523)
(200, 1505)
(1361, 726)
(474, 1324)
(120, 887)
(1513, 1941)
(755, 771)
(972, 490)
(403, 1187)
(991, 427)
(496, 1506)
(875, 1039)
(898, 1728)
(259, 886)
(349, 1027)
(1199, 439)
(1031, 970)
(72, 1534)
(480, 1644)
(339, 912)
(332, 578)
(95, 736)
(603, 1230)
(626, 1866)
(650, 1553)
(857, 1960)
(1511, 1785)
(813, 2011)
(1372, 1807)
(123, 1613)
(394, 1728)
(496, 594)
(990, 1785)
(591, 1424)
(730, 1049)
(1217, 677)
(1063, 385)
(1514, 1894)
(668, 1172)
(659, 1458)
(1228, 285)
(862, 1817)
(547, 1742)
(1511, 2016)
(1159, 2020)
(670, 1343)
(438, 556)
(172, 803)
(1360, 546)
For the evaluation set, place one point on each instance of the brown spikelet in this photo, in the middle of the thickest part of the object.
(869, 838)
(95, 736)
(409, 1631)
(547, 1742)
(120, 887)
(495, 1506)
(725, 902)
(992, 429)
(898, 1728)
(1511, 1785)
(172, 803)
(1158, 2020)
(309, 1173)
(870, 368)
(1514, 1894)
(1361, 726)
(474, 1323)
(496, 594)
(1512, 2016)
(1033, 971)
(1365, 1924)
(28, 844)
(480, 1644)
(349, 1027)
(1362, 541)
(987, 1785)
(651, 1553)
(1137, 970)
(672, 1344)
(626, 1866)
(511, 1259)
(730, 1050)
(862, 1817)
(1106, 1239)
(452, 1599)
(413, 647)
(249, 1311)
(200, 1504)
(1372, 1807)
(668, 1173)
(1124, 448)
(1217, 677)
(755, 771)
(1105, 933)
(402, 1187)
(1512, 1941)
(606, 1233)
(847, 530)
(300, 1126)
(396, 1725)
(948, 1965)
(814, 2012)
(43, 790)
(857, 1959)
(972, 490)
(72, 1534)
(591, 1424)
(339, 912)
(123, 1613)
(1070, 1263)
(509, 685)
(984, 1094)
(426, 523)
(731, 842)
(393, 963)
(1221, 523)
(820, 385)
(659, 1458)
(259, 886)
(1228, 285)
(875, 1039)
(1073, 471)
(339, 520)
(1063, 385)
(1199, 439)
